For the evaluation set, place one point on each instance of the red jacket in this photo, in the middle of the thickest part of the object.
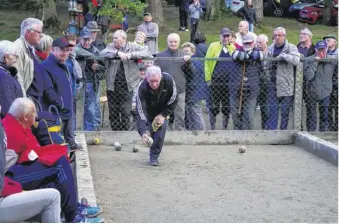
(22, 141)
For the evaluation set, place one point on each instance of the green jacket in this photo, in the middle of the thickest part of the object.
(213, 52)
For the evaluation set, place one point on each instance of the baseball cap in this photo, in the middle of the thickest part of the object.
(93, 26)
(225, 31)
(86, 33)
(321, 44)
(248, 38)
(60, 42)
(330, 36)
(147, 14)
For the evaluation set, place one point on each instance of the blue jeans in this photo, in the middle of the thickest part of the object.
(244, 120)
(311, 119)
(158, 139)
(92, 115)
(273, 103)
(194, 116)
(251, 27)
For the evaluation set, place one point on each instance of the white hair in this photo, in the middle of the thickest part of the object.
(308, 31)
(173, 36)
(121, 33)
(6, 48)
(29, 23)
(45, 43)
(153, 71)
(264, 37)
(21, 106)
(245, 23)
(282, 29)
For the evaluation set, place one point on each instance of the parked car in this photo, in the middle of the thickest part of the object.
(296, 7)
(236, 5)
(312, 14)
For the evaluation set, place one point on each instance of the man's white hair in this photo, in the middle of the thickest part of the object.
(173, 36)
(244, 22)
(282, 29)
(45, 43)
(264, 37)
(121, 33)
(153, 71)
(6, 48)
(307, 31)
(28, 24)
(21, 106)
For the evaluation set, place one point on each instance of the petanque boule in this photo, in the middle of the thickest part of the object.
(135, 149)
(242, 149)
(149, 142)
(96, 141)
(117, 146)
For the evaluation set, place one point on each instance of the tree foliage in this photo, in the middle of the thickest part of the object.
(115, 9)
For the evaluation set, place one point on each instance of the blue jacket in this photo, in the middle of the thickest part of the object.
(201, 50)
(10, 88)
(61, 81)
(196, 87)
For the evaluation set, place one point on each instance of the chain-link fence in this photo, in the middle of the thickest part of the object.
(219, 94)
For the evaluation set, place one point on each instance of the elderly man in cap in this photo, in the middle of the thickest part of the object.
(93, 72)
(318, 75)
(217, 75)
(98, 41)
(122, 78)
(151, 30)
(332, 52)
(60, 78)
(281, 84)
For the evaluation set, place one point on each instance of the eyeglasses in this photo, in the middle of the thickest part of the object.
(36, 31)
(279, 35)
(226, 35)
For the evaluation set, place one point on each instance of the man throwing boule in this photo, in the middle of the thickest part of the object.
(156, 100)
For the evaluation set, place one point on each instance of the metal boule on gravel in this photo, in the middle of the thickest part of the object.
(117, 146)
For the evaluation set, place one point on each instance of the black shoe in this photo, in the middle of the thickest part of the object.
(75, 146)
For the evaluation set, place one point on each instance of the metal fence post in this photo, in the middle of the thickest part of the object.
(298, 97)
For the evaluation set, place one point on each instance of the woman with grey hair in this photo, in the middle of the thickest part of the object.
(10, 88)
(43, 49)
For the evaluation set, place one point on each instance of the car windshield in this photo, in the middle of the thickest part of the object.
(308, 1)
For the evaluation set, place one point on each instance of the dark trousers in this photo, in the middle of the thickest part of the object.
(333, 108)
(273, 103)
(262, 101)
(311, 111)
(183, 16)
(68, 131)
(120, 105)
(219, 95)
(194, 27)
(158, 139)
(35, 175)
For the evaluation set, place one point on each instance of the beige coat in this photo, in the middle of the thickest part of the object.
(24, 65)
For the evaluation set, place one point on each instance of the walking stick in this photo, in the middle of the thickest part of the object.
(242, 87)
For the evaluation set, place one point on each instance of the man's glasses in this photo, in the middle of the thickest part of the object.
(36, 31)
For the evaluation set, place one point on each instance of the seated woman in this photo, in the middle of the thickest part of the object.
(19, 206)
(42, 166)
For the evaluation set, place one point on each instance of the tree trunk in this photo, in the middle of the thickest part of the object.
(259, 8)
(155, 7)
(327, 11)
(213, 10)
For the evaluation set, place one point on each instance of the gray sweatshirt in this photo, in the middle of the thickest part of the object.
(195, 10)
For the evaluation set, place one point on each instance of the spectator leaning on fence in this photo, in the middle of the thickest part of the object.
(122, 78)
(281, 84)
(42, 166)
(331, 41)
(244, 84)
(61, 79)
(196, 91)
(156, 100)
(43, 49)
(318, 75)
(217, 76)
(305, 46)
(10, 88)
(178, 67)
(151, 30)
(19, 206)
(93, 72)
(262, 45)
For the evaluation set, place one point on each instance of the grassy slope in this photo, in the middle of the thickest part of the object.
(10, 26)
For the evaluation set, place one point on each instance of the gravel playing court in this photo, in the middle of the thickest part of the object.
(215, 184)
